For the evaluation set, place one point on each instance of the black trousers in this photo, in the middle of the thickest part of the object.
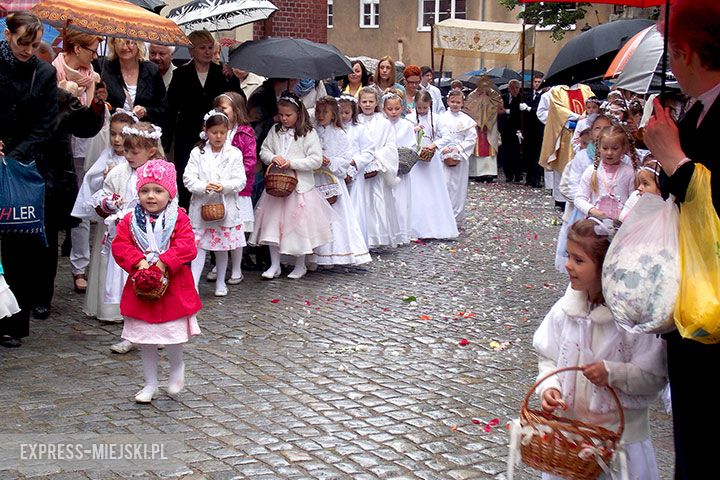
(30, 270)
(509, 156)
(531, 156)
(692, 368)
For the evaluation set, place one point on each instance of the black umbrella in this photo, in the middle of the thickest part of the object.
(502, 75)
(290, 58)
(152, 5)
(589, 55)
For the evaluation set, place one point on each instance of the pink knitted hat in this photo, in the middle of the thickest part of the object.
(160, 172)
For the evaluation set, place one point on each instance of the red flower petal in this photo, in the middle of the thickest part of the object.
(476, 421)
(463, 342)
(494, 422)
(275, 300)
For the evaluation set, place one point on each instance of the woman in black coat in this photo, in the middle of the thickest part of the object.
(192, 90)
(133, 83)
(28, 108)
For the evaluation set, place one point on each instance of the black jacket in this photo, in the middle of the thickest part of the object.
(56, 165)
(188, 102)
(150, 92)
(700, 147)
(28, 105)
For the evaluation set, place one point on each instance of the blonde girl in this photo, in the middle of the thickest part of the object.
(647, 182)
(607, 184)
(296, 224)
(404, 137)
(215, 174)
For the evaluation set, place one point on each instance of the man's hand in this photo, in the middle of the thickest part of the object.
(663, 139)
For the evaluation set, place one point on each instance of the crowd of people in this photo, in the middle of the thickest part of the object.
(314, 174)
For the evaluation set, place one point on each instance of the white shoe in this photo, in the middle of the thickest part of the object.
(235, 280)
(221, 291)
(271, 273)
(146, 395)
(297, 273)
(123, 346)
(212, 275)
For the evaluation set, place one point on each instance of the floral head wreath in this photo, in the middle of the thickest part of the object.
(655, 169)
(290, 99)
(155, 134)
(128, 113)
(347, 98)
(604, 227)
(388, 96)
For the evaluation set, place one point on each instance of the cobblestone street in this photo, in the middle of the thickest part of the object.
(353, 374)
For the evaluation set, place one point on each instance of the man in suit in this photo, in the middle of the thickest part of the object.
(695, 61)
(533, 132)
(509, 125)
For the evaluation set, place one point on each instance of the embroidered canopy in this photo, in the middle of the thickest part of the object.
(472, 38)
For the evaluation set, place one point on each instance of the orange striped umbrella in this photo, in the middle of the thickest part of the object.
(112, 18)
(626, 53)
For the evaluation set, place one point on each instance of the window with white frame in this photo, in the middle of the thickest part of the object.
(369, 13)
(431, 12)
(329, 13)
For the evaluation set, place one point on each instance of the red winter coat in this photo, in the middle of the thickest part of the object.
(181, 299)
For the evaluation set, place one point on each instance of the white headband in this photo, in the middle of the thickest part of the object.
(215, 113)
(604, 228)
(291, 100)
(156, 134)
(347, 98)
(128, 113)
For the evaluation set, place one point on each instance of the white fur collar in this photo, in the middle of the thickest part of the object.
(575, 304)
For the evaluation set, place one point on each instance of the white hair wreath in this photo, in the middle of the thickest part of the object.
(215, 113)
(156, 134)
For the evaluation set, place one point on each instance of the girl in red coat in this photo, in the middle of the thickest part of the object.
(158, 236)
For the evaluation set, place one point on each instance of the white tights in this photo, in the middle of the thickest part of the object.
(150, 357)
(221, 262)
(297, 272)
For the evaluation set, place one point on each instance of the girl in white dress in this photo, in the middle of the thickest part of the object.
(362, 154)
(84, 208)
(457, 140)
(214, 175)
(118, 197)
(300, 222)
(404, 137)
(580, 331)
(380, 175)
(431, 213)
(348, 246)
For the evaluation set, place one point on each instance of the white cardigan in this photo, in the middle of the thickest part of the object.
(304, 154)
(227, 169)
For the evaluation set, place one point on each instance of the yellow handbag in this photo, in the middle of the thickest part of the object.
(697, 311)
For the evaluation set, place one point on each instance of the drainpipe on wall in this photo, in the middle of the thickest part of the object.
(400, 50)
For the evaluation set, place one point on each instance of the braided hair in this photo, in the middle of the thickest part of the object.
(425, 97)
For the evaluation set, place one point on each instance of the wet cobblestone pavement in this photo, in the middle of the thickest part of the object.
(344, 374)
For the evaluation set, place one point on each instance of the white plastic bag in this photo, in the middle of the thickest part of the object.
(641, 272)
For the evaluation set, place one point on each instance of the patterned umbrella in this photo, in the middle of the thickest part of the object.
(112, 18)
(17, 5)
(218, 15)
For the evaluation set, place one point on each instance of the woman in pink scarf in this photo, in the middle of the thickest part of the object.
(74, 66)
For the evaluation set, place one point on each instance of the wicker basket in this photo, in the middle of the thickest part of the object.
(426, 154)
(212, 212)
(327, 184)
(451, 161)
(278, 183)
(407, 158)
(155, 293)
(556, 452)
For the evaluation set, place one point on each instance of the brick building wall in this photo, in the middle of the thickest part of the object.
(295, 18)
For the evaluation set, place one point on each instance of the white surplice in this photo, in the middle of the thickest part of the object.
(457, 131)
(348, 245)
(431, 212)
(402, 191)
(362, 154)
(382, 222)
